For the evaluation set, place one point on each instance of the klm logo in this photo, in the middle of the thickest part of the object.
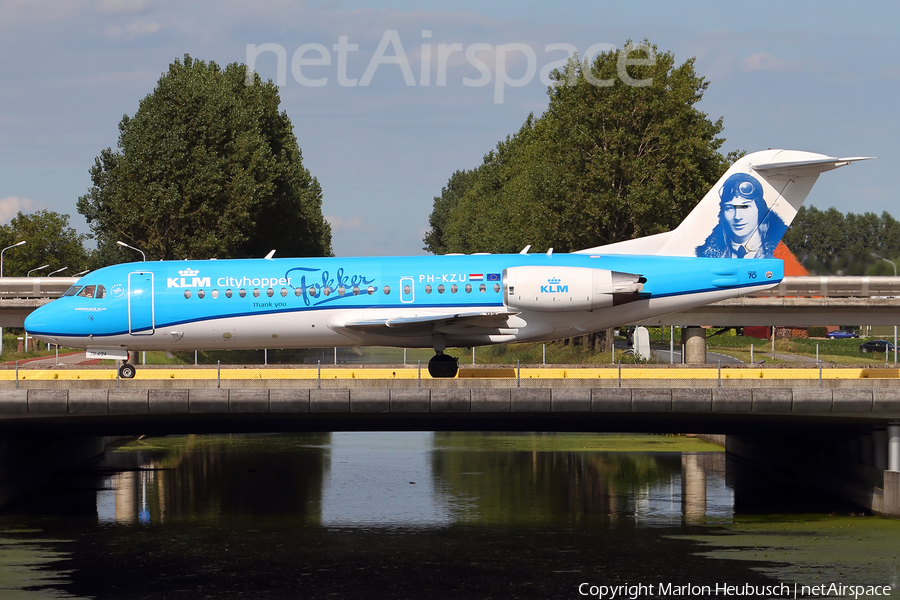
(188, 279)
(553, 287)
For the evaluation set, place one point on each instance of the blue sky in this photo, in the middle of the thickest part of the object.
(817, 76)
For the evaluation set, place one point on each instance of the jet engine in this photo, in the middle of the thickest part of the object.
(568, 288)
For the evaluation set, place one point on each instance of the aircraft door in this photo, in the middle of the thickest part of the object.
(407, 289)
(141, 310)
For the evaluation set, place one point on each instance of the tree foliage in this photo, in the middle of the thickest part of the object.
(828, 242)
(604, 163)
(49, 240)
(207, 167)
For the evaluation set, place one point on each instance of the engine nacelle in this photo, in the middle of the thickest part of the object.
(568, 288)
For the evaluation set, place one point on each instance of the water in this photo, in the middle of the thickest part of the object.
(421, 515)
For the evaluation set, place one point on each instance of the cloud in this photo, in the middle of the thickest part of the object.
(12, 205)
(344, 225)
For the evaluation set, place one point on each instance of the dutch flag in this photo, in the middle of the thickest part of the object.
(476, 276)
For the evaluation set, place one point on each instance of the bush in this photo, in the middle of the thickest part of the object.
(818, 331)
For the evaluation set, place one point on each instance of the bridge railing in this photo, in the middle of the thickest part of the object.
(481, 377)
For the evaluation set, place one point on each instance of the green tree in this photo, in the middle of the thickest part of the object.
(604, 163)
(49, 241)
(207, 167)
(829, 242)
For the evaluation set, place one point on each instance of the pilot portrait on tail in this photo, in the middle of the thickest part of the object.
(746, 227)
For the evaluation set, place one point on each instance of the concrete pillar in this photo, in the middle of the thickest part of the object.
(880, 449)
(694, 340)
(893, 434)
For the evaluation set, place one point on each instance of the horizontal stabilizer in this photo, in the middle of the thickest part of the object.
(808, 167)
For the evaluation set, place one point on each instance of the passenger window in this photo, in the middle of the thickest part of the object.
(242, 293)
(201, 294)
(101, 292)
(496, 288)
(228, 293)
(387, 290)
(427, 289)
(454, 288)
(341, 291)
(370, 290)
(313, 291)
(270, 292)
(72, 290)
(256, 292)
(87, 292)
(298, 292)
(187, 294)
(482, 288)
(327, 291)
(441, 289)
(468, 288)
(215, 293)
(356, 290)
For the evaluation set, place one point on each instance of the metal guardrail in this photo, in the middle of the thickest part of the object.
(35, 287)
(835, 287)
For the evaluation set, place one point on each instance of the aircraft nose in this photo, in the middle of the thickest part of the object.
(39, 322)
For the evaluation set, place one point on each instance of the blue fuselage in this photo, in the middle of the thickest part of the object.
(304, 302)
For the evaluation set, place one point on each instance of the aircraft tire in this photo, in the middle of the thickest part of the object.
(127, 371)
(443, 366)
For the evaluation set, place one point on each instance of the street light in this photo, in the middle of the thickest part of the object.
(82, 273)
(52, 273)
(893, 264)
(124, 245)
(4, 250)
(37, 269)
(1, 275)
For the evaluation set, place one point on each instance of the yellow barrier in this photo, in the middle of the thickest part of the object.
(486, 373)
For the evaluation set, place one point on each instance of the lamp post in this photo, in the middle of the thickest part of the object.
(124, 245)
(36, 269)
(52, 273)
(893, 264)
(1, 275)
(4, 250)
(82, 273)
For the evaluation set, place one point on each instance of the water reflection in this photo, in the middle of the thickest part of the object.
(153, 481)
(492, 486)
(405, 480)
(392, 515)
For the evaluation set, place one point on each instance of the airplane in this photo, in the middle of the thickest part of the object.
(723, 249)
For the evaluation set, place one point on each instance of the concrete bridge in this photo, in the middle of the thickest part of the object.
(845, 441)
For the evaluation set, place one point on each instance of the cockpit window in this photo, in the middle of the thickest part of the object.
(88, 291)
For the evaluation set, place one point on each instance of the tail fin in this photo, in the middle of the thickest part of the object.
(746, 213)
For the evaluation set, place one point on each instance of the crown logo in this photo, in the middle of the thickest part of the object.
(189, 272)
(553, 280)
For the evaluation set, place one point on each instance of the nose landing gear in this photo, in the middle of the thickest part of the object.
(127, 370)
(443, 365)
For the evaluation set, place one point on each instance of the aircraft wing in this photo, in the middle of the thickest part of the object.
(452, 322)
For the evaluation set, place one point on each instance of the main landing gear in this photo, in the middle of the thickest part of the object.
(443, 365)
(126, 369)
